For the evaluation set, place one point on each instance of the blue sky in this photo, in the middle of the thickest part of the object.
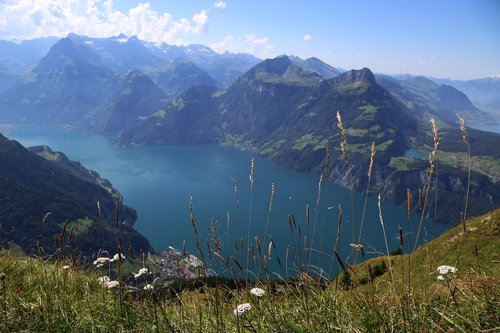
(456, 39)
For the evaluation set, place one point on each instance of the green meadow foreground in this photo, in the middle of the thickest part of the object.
(450, 284)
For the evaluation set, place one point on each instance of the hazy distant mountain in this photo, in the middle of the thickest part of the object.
(34, 183)
(72, 86)
(224, 68)
(178, 75)
(120, 53)
(483, 92)
(314, 64)
(20, 58)
(17, 59)
(439, 100)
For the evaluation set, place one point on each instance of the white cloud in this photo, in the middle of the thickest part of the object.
(229, 43)
(307, 37)
(248, 43)
(25, 19)
(220, 4)
(252, 39)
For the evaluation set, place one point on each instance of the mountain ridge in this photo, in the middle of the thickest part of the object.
(42, 189)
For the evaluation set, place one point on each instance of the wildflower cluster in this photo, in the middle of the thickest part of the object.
(242, 308)
(257, 292)
(445, 269)
(105, 281)
(141, 272)
(101, 261)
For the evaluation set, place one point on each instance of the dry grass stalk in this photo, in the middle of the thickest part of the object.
(271, 199)
(237, 263)
(372, 158)
(251, 177)
(195, 230)
(465, 138)
(235, 189)
(432, 160)
(381, 219)
(339, 260)
(117, 212)
(370, 168)
(221, 258)
(400, 236)
(46, 217)
(433, 154)
(339, 229)
(420, 200)
(307, 215)
(320, 183)
(343, 138)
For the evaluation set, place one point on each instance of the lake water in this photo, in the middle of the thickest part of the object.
(158, 181)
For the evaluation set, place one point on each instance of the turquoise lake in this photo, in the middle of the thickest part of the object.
(158, 181)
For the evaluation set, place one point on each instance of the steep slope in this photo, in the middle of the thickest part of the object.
(33, 184)
(66, 83)
(71, 86)
(314, 64)
(190, 118)
(179, 75)
(432, 99)
(257, 103)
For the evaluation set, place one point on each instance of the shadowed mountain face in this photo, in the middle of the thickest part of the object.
(37, 182)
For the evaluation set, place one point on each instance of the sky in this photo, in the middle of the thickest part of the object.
(458, 39)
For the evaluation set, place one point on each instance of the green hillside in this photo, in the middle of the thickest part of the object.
(37, 296)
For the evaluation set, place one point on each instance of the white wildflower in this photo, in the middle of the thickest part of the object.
(100, 261)
(242, 308)
(257, 292)
(103, 280)
(440, 278)
(445, 269)
(117, 257)
(113, 284)
(148, 287)
(65, 267)
(142, 271)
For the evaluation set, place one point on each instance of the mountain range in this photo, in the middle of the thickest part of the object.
(283, 108)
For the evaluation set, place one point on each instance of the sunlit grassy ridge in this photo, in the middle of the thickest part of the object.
(37, 296)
